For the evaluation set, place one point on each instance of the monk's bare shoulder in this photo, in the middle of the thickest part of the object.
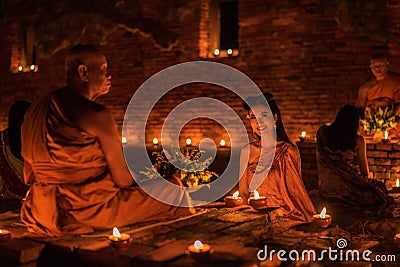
(90, 116)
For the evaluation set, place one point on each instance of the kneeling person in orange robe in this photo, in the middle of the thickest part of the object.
(74, 160)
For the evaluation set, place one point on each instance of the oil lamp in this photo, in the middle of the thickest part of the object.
(322, 220)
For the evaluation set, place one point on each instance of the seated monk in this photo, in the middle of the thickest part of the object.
(74, 160)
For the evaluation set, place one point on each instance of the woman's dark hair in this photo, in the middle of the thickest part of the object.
(260, 100)
(342, 133)
(15, 119)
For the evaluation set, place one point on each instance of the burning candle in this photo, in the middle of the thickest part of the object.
(120, 241)
(322, 220)
(155, 141)
(4, 234)
(198, 250)
(303, 136)
(188, 142)
(124, 140)
(222, 143)
(234, 200)
(386, 139)
(396, 186)
(258, 202)
(396, 239)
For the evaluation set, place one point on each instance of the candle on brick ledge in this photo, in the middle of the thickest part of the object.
(396, 186)
(303, 136)
(188, 142)
(386, 139)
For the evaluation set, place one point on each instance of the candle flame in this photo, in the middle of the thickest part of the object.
(116, 232)
(1, 231)
(155, 141)
(124, 140)
(256, 194)
(222, 142)
(323, 213)
(236, 194)
(397, 183)
(386, 135)
(188, 141)
(303, 134)
(197, 244)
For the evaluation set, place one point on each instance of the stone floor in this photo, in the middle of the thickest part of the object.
(236, 235)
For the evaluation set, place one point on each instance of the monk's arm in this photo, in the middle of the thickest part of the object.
(103, 126)
(362, 97)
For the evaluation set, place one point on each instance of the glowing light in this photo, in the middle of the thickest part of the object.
(323, 213)
(256, 194)
(20, 68)
(188, 141)
(386, 135)
(303, 134)
(216, 52)
(222, 142)
(155, 141)
(197, 244)
(124, 140)
(229, 51)
(397, 182)
(116, 233)
(236, 194)
(32, 67)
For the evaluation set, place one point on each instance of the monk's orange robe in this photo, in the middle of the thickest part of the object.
(72, 189)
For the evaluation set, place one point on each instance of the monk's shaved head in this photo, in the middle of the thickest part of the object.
(79, 55)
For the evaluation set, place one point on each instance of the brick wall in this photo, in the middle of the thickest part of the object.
(382, 162)
(312, 55)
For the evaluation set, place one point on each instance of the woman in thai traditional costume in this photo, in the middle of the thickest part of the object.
(271, 164)
(342, 164)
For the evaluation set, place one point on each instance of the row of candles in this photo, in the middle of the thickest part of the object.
(123, 241)
(258, 202)
(386, 139)
(156, 142)
(303, 137)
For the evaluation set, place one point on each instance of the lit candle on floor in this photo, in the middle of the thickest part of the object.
(5, 234)
(322, 220)
(396, 239)
(258, 202)
(120, 241)
(234, 200)
(198, 250)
